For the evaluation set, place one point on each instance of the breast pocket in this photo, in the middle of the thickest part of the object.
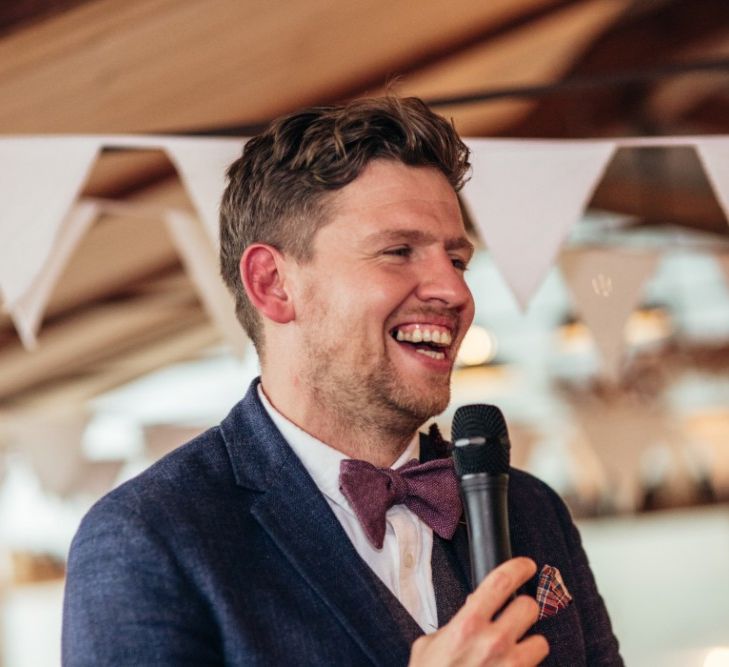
(563, 632)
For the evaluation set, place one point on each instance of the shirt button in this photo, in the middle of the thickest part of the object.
(409, 561)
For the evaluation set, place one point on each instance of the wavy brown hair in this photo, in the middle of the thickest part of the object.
(278, 189)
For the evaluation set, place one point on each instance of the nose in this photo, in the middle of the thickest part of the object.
(441, 281)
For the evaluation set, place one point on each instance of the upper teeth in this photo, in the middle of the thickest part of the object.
(423, 334)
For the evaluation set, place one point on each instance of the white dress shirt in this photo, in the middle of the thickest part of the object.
(403, 563)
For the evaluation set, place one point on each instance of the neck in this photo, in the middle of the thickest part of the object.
(379, 440)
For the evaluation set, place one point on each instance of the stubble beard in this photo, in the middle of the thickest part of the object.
(371, 398)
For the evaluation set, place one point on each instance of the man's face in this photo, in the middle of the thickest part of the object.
(383, 306)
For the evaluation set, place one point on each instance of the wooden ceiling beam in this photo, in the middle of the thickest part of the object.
(660, 34)
(167, 65)
(75, 344)
(123, 173)
(677, 98)
(661, 186)
(25, 12)
(537, 53)
(64, 393)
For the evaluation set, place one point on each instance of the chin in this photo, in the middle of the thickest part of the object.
(408, 398)
(421, 407)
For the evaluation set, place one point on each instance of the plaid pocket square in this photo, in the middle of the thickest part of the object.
(552, 594)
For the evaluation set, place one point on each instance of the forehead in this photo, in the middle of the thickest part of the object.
(391, 195)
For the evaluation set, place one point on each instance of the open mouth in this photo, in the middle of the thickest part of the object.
(431, 340)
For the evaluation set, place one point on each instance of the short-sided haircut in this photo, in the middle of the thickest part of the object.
(278, 189)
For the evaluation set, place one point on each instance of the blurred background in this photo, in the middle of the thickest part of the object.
(129, 363)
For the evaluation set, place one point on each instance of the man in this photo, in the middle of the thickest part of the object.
(343, 243)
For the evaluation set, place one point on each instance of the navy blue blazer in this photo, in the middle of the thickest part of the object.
(225, 552)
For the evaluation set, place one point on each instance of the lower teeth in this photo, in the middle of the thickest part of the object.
(431, 353)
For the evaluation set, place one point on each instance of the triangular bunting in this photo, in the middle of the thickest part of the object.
(95, 478)
(40, 178)
(202, 164)
(620, 430)
(51, 443)
(161, 439)
(28, 309)
(525, 196)
(607, 285)
(715, 158)
(201, 264)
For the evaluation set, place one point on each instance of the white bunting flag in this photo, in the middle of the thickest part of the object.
(40, 177)
(161, 439)
(620, 430)
(51, 443)
(714, 156)
(200, 262)
(525, 196)
(27, 311)
(95, 478)
(607, 285)
(202, 164)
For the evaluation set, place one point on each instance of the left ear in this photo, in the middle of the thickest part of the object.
(262, 271)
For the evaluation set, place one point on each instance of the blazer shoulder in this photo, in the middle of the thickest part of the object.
(538, 510)
(525, 487)
(192, 480)
(130, 581)
(201, 461)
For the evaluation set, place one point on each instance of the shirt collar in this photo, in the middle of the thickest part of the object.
(320, 460)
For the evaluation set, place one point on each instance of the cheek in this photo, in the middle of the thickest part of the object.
(386, 296)
(379, 290)
(363, 300)
(469, 312)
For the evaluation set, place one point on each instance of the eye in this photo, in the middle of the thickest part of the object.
(399, 251)
(460, 263)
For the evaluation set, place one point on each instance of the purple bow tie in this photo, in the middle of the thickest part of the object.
(430, 490)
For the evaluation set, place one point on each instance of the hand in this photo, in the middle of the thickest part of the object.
(473, 637)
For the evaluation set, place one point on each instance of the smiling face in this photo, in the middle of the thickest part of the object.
(383, 306)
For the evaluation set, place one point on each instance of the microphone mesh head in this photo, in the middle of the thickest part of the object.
(481, 421)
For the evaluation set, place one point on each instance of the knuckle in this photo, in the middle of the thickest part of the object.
(469, 626)
(500, 581)
(529, 605)
(497, 645)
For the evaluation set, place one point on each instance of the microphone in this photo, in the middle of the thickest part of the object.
(481, 459)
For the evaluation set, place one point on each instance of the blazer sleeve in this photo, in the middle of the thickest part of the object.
(601, 645)
(127, 601)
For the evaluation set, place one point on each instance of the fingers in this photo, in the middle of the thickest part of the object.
(438, 650)
(494, 591)
(474, 637)
(517, 618)
(531, 651)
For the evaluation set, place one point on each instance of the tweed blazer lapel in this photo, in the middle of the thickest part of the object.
(298, 519)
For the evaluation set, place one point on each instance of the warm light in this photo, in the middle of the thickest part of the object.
(478, 347)
(717, 657)
(575, 337)
(648, 326)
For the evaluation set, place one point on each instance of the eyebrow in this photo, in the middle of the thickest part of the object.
(418, 237)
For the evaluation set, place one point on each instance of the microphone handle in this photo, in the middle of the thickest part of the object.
(487, 520)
